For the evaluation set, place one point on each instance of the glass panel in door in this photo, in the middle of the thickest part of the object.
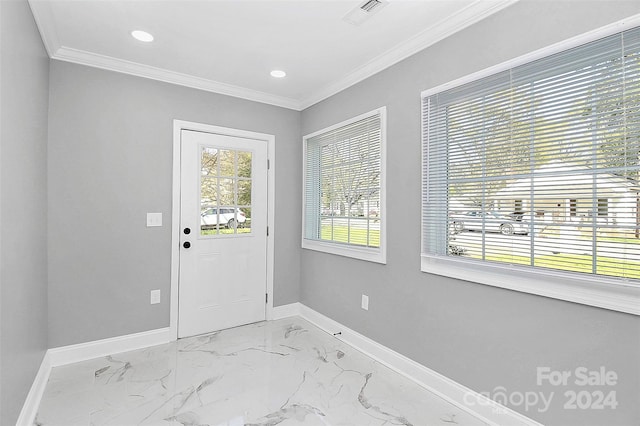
(225, 192)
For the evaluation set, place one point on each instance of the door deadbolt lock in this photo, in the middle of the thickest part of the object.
(186, 244)
(187, 231)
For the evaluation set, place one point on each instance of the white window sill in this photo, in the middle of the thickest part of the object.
(376, 255)
(614, 294)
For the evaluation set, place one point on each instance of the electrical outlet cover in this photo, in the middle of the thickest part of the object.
(154, 219)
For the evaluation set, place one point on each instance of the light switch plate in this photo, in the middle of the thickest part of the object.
(154, 219)
(365, 302)
(155, 296)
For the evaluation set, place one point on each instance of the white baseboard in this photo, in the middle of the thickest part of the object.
(32, 402)
(483, 408)
(286, 311)
(84, 351)
(453, 392)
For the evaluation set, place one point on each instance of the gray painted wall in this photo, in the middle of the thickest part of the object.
(480, 336)
(110, 162)
(24, 71)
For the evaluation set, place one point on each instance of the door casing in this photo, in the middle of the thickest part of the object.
(178, 126)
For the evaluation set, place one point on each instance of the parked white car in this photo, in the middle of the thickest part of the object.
(489, 221)
(210, 218)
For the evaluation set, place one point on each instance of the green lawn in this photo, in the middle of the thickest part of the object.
(619, 240)
(224, 231)
(357, 235)
(608, 266)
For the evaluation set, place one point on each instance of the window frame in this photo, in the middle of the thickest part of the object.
(622, 295)
(371, 254)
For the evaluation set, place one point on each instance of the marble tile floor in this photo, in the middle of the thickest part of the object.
(285, 372)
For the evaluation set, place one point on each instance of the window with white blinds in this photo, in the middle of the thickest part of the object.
(535, 170)
(343, 211)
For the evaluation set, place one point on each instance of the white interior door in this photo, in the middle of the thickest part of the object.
(223, 232)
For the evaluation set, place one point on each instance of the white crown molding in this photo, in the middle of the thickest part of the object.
(133, 68)
(43, 15)
(471, 14)
(464, 18)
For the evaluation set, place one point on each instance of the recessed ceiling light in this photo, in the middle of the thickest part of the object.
(142, 36)
(278, 73)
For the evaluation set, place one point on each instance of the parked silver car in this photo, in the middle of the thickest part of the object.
(489, 221)
(210, 218)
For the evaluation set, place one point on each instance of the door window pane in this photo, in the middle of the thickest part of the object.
(227, 163)
(208, 191)
(244, 164)
(244, 192)
(225, 192)
(209, 161)
(244, 220)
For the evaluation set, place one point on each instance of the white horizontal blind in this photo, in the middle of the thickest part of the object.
(538, 166)
(342, 184)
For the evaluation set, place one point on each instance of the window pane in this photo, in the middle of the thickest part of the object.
(209, 222)
(227, 191)
(348, 178)
(244, 164)
(227, 163)
(359, 232)
(244, 192)
(244, 220)
(539, 166)
(342, 184)
(209, 191)
(223, 192)
(209, 161)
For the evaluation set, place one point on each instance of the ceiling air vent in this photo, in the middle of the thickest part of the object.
(364, 11)
(370, 5)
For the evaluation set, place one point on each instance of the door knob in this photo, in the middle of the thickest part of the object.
(187, 231)
(186, 244)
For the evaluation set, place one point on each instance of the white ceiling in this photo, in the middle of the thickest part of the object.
(230, 46)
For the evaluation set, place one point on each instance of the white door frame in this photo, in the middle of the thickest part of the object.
(178, 126)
